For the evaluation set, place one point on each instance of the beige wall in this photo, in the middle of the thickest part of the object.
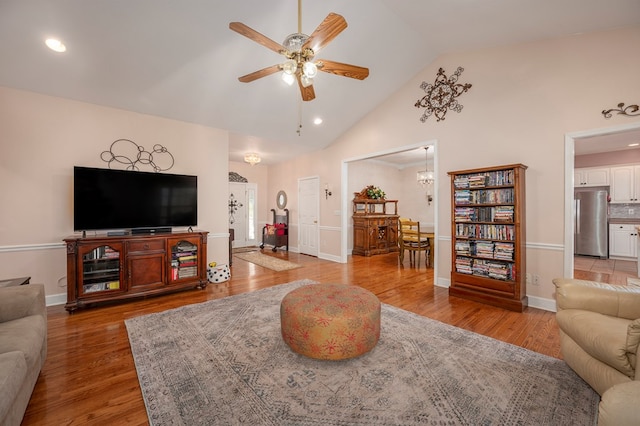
(42, 138)
(524, 99)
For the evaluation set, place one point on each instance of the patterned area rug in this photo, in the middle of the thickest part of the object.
(268, 262)
(244, 249)
(223, 362)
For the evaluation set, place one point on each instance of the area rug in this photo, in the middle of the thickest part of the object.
(268, 262)
(224, 362)
(244, 249)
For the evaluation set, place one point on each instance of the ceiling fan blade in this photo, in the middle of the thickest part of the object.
(328, 29)
(248, 32)
(259, 74)
(308, 94)
(345, 70)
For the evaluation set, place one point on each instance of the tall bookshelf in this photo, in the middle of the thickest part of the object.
(488, 236)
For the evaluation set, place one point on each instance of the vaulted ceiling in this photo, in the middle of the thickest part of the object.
(178, 59)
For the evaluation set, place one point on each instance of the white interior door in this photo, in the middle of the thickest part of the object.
(308, 196)
(243, 205)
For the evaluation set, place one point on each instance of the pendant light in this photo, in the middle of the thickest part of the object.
(425, 177)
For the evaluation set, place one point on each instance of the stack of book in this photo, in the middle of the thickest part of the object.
(484, 249)
(503, 251)
(465, 214)
(503, 214)
(481, 267)
(500, 271)
(463, 265)
(463, 196)
(461, 182)
(478, 181)
(463, 248)
(184, 261)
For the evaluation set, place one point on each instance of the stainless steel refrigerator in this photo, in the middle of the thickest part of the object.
(591, 221)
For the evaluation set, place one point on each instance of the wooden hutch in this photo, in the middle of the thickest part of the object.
(375, 226)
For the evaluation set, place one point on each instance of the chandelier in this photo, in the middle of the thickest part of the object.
(252, 158)
(425, 177)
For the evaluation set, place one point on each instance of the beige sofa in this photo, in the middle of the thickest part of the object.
(599, 338)
(23, 348)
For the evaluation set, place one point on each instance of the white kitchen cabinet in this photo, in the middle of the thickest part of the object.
(625, 184)
(591, 176)
(623, 240)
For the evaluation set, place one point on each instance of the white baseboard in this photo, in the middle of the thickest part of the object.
(541, 303)
(56, 299)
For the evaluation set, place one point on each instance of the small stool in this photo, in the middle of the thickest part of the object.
(330, 321)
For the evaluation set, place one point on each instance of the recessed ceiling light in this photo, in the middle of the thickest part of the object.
(634, 144)
(317, 121)
(55, 45)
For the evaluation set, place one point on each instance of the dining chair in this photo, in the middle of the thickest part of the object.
(413, 240)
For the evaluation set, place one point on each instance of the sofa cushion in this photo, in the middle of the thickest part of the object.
(633, 341)
(13, 372)
(25, 335)
(601, 336)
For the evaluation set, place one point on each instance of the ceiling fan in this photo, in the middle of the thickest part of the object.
(299, 50)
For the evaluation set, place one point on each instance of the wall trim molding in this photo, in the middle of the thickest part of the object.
(62, 245)
(31, 247)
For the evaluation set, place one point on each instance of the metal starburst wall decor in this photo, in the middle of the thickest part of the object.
(441, 95)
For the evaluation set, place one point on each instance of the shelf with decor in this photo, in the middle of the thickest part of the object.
(488, 235)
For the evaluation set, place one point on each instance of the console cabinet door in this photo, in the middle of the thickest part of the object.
(146, 263)
(186, 258)
(100, 269)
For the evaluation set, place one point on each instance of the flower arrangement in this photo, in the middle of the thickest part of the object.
(375, 193)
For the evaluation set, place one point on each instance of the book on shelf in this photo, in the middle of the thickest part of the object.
(184, 246)
(186, 258)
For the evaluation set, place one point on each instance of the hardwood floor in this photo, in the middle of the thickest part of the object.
(89, 376)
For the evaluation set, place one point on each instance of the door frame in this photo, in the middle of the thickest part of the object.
(316, 213)
(569, 169)
(346, 201)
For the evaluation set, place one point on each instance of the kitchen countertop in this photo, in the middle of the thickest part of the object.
(625, 220)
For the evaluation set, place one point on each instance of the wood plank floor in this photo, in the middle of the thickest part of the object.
(89, 376)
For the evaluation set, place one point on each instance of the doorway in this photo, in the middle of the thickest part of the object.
(571, 143)
(243, 213)
(347, 194)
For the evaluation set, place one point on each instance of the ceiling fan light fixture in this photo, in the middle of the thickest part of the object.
(294, 42)
(305, 81)
(288, 78)
(290, 66)
(310, 69)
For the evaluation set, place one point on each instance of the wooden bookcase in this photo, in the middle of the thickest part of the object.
(375, 226)
(488, 236)
(108, 268)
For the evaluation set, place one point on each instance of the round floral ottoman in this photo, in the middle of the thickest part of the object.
(330, 321)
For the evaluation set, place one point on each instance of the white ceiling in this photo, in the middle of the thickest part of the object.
(178, 59)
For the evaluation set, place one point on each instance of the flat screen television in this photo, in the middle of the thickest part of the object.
(105, 199)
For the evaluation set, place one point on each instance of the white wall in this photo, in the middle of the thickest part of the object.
(43, 137)
(524, 99)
